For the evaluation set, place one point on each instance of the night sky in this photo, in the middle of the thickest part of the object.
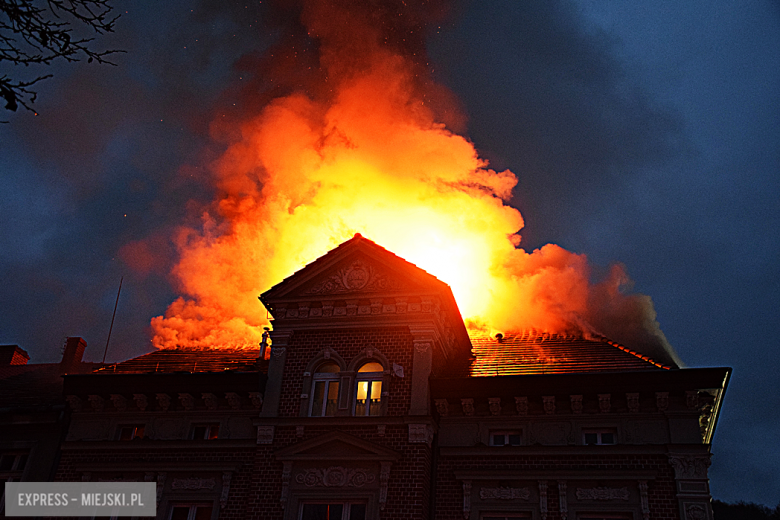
(641, 133)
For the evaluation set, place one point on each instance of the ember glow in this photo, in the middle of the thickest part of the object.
(369, 154)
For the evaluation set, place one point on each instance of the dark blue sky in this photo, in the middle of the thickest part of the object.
(642, 133)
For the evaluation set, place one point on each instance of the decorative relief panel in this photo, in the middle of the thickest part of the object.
(359, 276)
(193, 483)
(602, 493)
(420, 433)
(504, 493)
(265, 435)
(336, 476)
(495, 405)
(696, 512)
(691, 466)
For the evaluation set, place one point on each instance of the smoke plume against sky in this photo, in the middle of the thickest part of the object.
(641, 136)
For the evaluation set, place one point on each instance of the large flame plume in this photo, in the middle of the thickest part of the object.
(367, 152)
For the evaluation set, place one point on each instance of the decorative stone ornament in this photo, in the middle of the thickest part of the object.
(210, 400)
(442, 407)
(602, 493)
(265, 435)
(495, 405)
(96, 402)
(605, 403)
(521, 404)
(75, 403)
(163, 402)
(576, 403)
(141, 401)
(466, 498)
(468, 406)
(662, 401)
(187, 401)
(632, 402)
(257, 399)
(335, 476)
(119, 401)
(234, 400)
(420, 434)
(549, 404)
(504, 493)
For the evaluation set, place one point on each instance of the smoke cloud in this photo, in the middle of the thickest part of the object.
(340, 129)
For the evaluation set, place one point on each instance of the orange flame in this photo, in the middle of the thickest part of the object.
(306, 173)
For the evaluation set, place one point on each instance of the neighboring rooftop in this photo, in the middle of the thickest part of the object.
(533, 352)
(190, 360)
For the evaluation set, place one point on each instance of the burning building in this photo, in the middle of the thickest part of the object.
(371, 400)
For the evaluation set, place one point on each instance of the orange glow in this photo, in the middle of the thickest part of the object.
(307, 173)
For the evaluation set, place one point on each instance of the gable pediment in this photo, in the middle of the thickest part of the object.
(358, 268)
(336, 446)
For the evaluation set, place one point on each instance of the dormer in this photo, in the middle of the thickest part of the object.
(360, 286)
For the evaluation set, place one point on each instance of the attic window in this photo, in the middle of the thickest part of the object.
(506, 438)
(325, 390)
(128, 432)
(205, 431)
(368, 394)
(599, 436)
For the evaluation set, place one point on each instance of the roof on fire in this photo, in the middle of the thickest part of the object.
(533, 352)
(190, 360)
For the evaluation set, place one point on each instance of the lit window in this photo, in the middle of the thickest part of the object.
(368, 397)
(325, 390)
(338, 511)
(204, 431)
(128, 432)
(599, 437)
(506, 438)
(191, 512)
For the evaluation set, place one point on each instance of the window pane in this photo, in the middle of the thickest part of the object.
(362, 390)
(591, 438)
(199, 432)
(335, 511)
(608, 438)
(371, 367)
(213, 431)
(357, 512)
(514, 439)
(498, 439)
(180, 512)
(203, 513)
(315, 512)
(317, 398)
(376, 390)
(327, 368)
(333, 395)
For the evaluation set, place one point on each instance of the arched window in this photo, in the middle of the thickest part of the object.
(325, 390)
(368, 394)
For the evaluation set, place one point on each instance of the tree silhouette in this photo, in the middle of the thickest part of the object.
(743, 511)
(39, 32)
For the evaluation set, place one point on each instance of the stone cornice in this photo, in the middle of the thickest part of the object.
(146, 445)
(554, 475)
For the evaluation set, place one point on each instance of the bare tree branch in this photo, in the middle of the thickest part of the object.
(38, 32)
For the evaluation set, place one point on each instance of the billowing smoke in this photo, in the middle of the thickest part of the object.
(341, 130)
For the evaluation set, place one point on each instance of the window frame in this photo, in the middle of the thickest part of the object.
(193, 508)
(345, 513)
(328, 379)
(134, 435)
(507, 433)
(370, 378)
(210, 427)
(599, 432)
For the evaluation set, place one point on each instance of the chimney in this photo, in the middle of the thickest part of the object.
(13, 355)
(71, 357)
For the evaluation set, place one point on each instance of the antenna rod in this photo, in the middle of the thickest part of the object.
(112, 318)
